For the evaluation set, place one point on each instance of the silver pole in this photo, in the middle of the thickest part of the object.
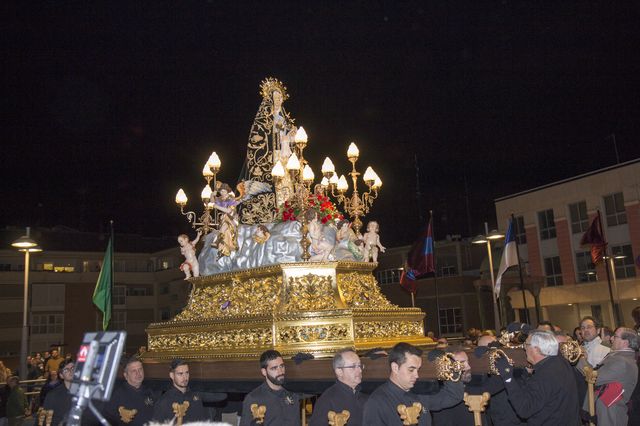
(496, 314)
(25, 325)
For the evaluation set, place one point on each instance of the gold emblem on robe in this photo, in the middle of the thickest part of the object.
(338, 419)
(410, 415)
(258, 412)
(180, 410)
(127, 415)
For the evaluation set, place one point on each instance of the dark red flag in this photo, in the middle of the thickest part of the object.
(595, 239)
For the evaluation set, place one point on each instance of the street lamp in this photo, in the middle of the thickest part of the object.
(27, 245)
(486, 239)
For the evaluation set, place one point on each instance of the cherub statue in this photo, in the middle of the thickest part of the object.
(261, 235)
(190, 266)
(321, 248)
(372, 242)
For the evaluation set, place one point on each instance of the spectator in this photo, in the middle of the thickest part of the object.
(53, 362)
(17, 404)
(635, 314)
(53, 381)
(592, 342)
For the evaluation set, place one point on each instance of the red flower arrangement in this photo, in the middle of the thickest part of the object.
(320, 203)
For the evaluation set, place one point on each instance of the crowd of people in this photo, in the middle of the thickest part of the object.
(549, 391)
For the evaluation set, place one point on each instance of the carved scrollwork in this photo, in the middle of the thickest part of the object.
(252, 296)
(221, 339)
(313, 333)
(309, 292)
(361, 291)
(375, 329)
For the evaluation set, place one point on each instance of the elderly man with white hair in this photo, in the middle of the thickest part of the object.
(549, 396)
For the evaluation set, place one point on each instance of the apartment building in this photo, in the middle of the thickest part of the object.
(551, 220)
(148, 286)
(463, 301)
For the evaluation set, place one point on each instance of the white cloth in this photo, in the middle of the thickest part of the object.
(596, 351)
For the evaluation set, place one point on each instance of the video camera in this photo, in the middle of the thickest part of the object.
(96, 369)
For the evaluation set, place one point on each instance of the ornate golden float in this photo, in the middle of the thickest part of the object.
(310, 307)
(317, 295)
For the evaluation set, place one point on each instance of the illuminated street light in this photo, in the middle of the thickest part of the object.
(27, 245)
(486, 239)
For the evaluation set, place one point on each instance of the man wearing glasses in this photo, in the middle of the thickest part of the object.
(270, 404)
(345, 393)
(617, 378)
(59, 399)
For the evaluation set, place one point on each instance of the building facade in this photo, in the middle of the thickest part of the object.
(148, 287)
(460, 302)
(561, 279)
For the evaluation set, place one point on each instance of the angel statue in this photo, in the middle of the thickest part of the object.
(372, 242)
(227, 238)
(270, 141)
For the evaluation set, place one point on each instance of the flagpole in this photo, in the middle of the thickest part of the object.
(435, 272)
(614, 309)
(524, 294)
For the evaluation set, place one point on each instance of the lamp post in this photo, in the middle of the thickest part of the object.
(486, 239)
(27, 245)
(615, 301)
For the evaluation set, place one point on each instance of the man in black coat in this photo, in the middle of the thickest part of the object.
(179, 393)
(550, 395)
(131, 403)
(282, 407)
(345, 393)
(393, 403)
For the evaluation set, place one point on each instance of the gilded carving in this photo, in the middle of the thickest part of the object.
(309, 293)
(360, 290)
(313, 333)
(222, 339)
(375, 329)
(252, 296)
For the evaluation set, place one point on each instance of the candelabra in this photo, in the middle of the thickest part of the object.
(355, 205)
(208, 221)
(301, 179)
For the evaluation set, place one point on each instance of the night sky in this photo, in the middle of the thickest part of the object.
(109, 107)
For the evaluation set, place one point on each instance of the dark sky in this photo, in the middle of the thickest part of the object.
(110, 107)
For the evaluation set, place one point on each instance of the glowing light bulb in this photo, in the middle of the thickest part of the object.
(181, 197)
(307, 173)
(327, 166)
(301, 135)
(353, 151)
(278, 170)
(206, 192)
(342, 184)
(293, 163)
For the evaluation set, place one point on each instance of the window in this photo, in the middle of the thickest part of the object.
(119, 295)
(448, 271)
(47, 323)
(47, 266)
(165, 265)
(451, 321)
(547, 224)
(118, 320)
(140, 291)
(48, 296)
(614, 209)
(553, 271)
(165, 314)
(585, 268)
(579, 217)
(389, 276)
(624, 265)
(521, 233)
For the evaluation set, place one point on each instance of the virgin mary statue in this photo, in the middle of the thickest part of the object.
(270, 140)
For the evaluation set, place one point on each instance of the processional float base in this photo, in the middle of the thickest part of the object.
(310, 307)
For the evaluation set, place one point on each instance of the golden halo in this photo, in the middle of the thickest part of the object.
(270, 84)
